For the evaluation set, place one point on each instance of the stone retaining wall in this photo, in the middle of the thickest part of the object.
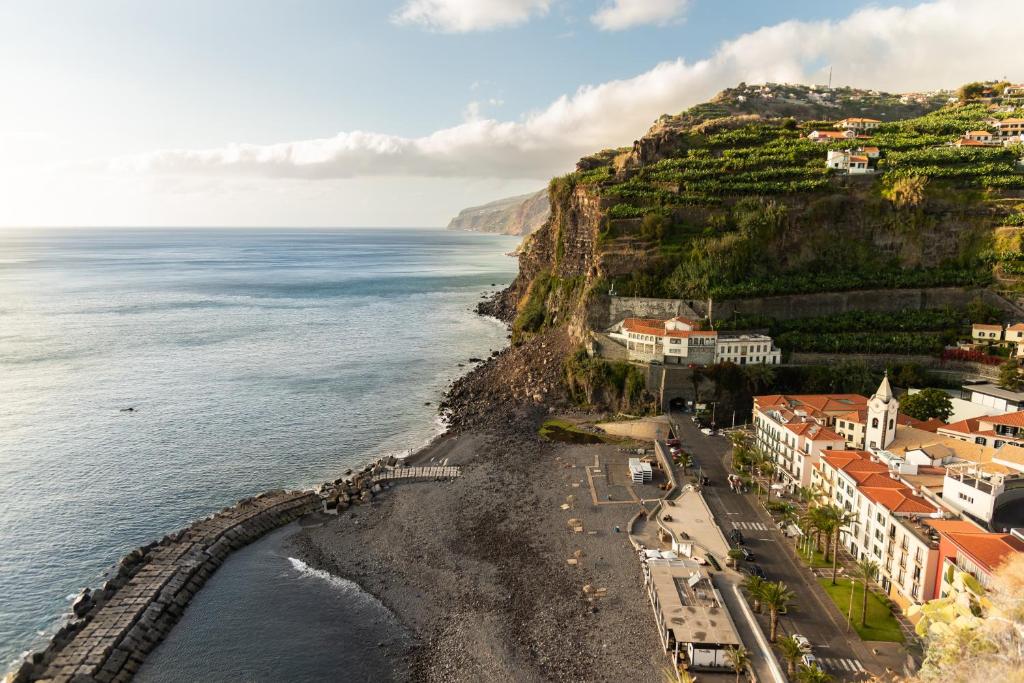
(116, 626)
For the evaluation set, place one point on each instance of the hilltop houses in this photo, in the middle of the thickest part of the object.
(677, 341)
(830, 135)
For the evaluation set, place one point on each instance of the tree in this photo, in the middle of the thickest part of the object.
(812, 674)
(791, 652)
(1009, 375)
(759, 377)
(905, 191)
(867, 569)
(926, 404)
(777, 597)
(754, 585)
(835, 520)
(739, 660)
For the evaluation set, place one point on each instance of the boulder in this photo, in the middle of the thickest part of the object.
(82, 604)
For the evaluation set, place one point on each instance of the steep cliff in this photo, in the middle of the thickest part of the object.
(733, 199)
(519, 215)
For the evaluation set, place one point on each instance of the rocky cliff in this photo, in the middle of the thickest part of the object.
(731, 199)
(519, 215)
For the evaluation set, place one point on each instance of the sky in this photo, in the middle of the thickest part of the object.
(402, 112)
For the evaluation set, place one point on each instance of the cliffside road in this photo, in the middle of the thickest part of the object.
(841, 652)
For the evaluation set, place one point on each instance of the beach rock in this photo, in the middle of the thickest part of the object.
(82, 604)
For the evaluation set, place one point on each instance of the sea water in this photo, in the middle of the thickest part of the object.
(151, 377)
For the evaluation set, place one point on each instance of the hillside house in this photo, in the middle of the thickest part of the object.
(981, 332)
(869, 152)
(1013, 91)
(858, 124)
(1008, 128)
(982, 136)
(677, 341)
(830, 135)
(989, 430)
(859, 164)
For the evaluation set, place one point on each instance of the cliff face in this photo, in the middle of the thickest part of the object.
(520, 215)
(727, 201)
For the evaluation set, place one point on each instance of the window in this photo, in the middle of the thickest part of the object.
(874, 423)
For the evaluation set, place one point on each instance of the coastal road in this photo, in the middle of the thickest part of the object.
(842, 653)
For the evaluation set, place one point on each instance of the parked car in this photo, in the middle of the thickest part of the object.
(747, 555)
(673, 443)
(807, 659)
(736, 536)
(706, 431)
(802, 641)
(756, 570)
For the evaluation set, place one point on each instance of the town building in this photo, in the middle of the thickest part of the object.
(964, 547)
(888, 526)
(677, 341)
(794, 430)
(1015, 333)
(1013, 91)
(993, 396)
(747, 349)
(989, 430)
(983, 488)
(694, 624)
(858, 124)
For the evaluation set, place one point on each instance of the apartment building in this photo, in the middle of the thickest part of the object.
(990, 430)
(678, 341)
(889, 526)
(966, 548)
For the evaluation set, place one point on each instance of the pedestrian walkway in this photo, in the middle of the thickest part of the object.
(751, 526)
(412, 473)
(841, 664)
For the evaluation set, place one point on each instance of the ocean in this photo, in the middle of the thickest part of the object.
(251, 359)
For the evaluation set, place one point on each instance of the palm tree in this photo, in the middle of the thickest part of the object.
(841, 519)
(754, 585)
(776, 596)
(739, 660)
(867, 569)
(767, 467)
(791, 652)
(759, 376)
(812, 674)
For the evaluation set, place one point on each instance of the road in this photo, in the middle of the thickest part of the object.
(842, 653)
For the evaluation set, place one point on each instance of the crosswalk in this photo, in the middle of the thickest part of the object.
(750, 526)
(841, 664)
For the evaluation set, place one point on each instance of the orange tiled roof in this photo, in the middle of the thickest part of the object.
(898, 499)
(978, 132)
(644, 325)
(1016, 327)
(968, 426)
(1010, 419)
(814, 431)
(859, 119)
(987, 549)
(986, 326)
(964, 142)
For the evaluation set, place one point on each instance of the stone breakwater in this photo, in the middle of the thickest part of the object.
(114, 627)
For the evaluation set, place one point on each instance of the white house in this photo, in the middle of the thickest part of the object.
(978, 488)
(830, 135)
(858, 124)
(859, 164)
(889, 524)
(677, 341)
(986, 332)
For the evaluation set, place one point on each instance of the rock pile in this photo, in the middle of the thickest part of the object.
(114, 627)
(355, 488)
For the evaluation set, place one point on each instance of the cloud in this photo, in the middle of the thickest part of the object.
(931, 45)
(623, 14)
(463, 16)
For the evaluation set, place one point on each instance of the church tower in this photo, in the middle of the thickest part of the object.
(882, 410)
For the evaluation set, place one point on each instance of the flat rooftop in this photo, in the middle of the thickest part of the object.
(690, 605)
(689, 520)
(990, 389)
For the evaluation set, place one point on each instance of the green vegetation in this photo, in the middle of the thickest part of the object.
(618, 385)
(566, 432)
(927, 404)
(881, 624)
(739, 207)
(1009, 375)
(546, 296)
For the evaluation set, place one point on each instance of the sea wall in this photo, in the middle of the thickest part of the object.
(114, 627)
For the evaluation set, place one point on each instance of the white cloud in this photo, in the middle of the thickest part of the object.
(462, 16)
(622, 14)
(938, 44)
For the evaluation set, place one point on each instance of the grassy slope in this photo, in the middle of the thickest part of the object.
(881, 625)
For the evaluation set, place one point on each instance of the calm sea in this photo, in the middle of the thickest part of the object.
(253, 359)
